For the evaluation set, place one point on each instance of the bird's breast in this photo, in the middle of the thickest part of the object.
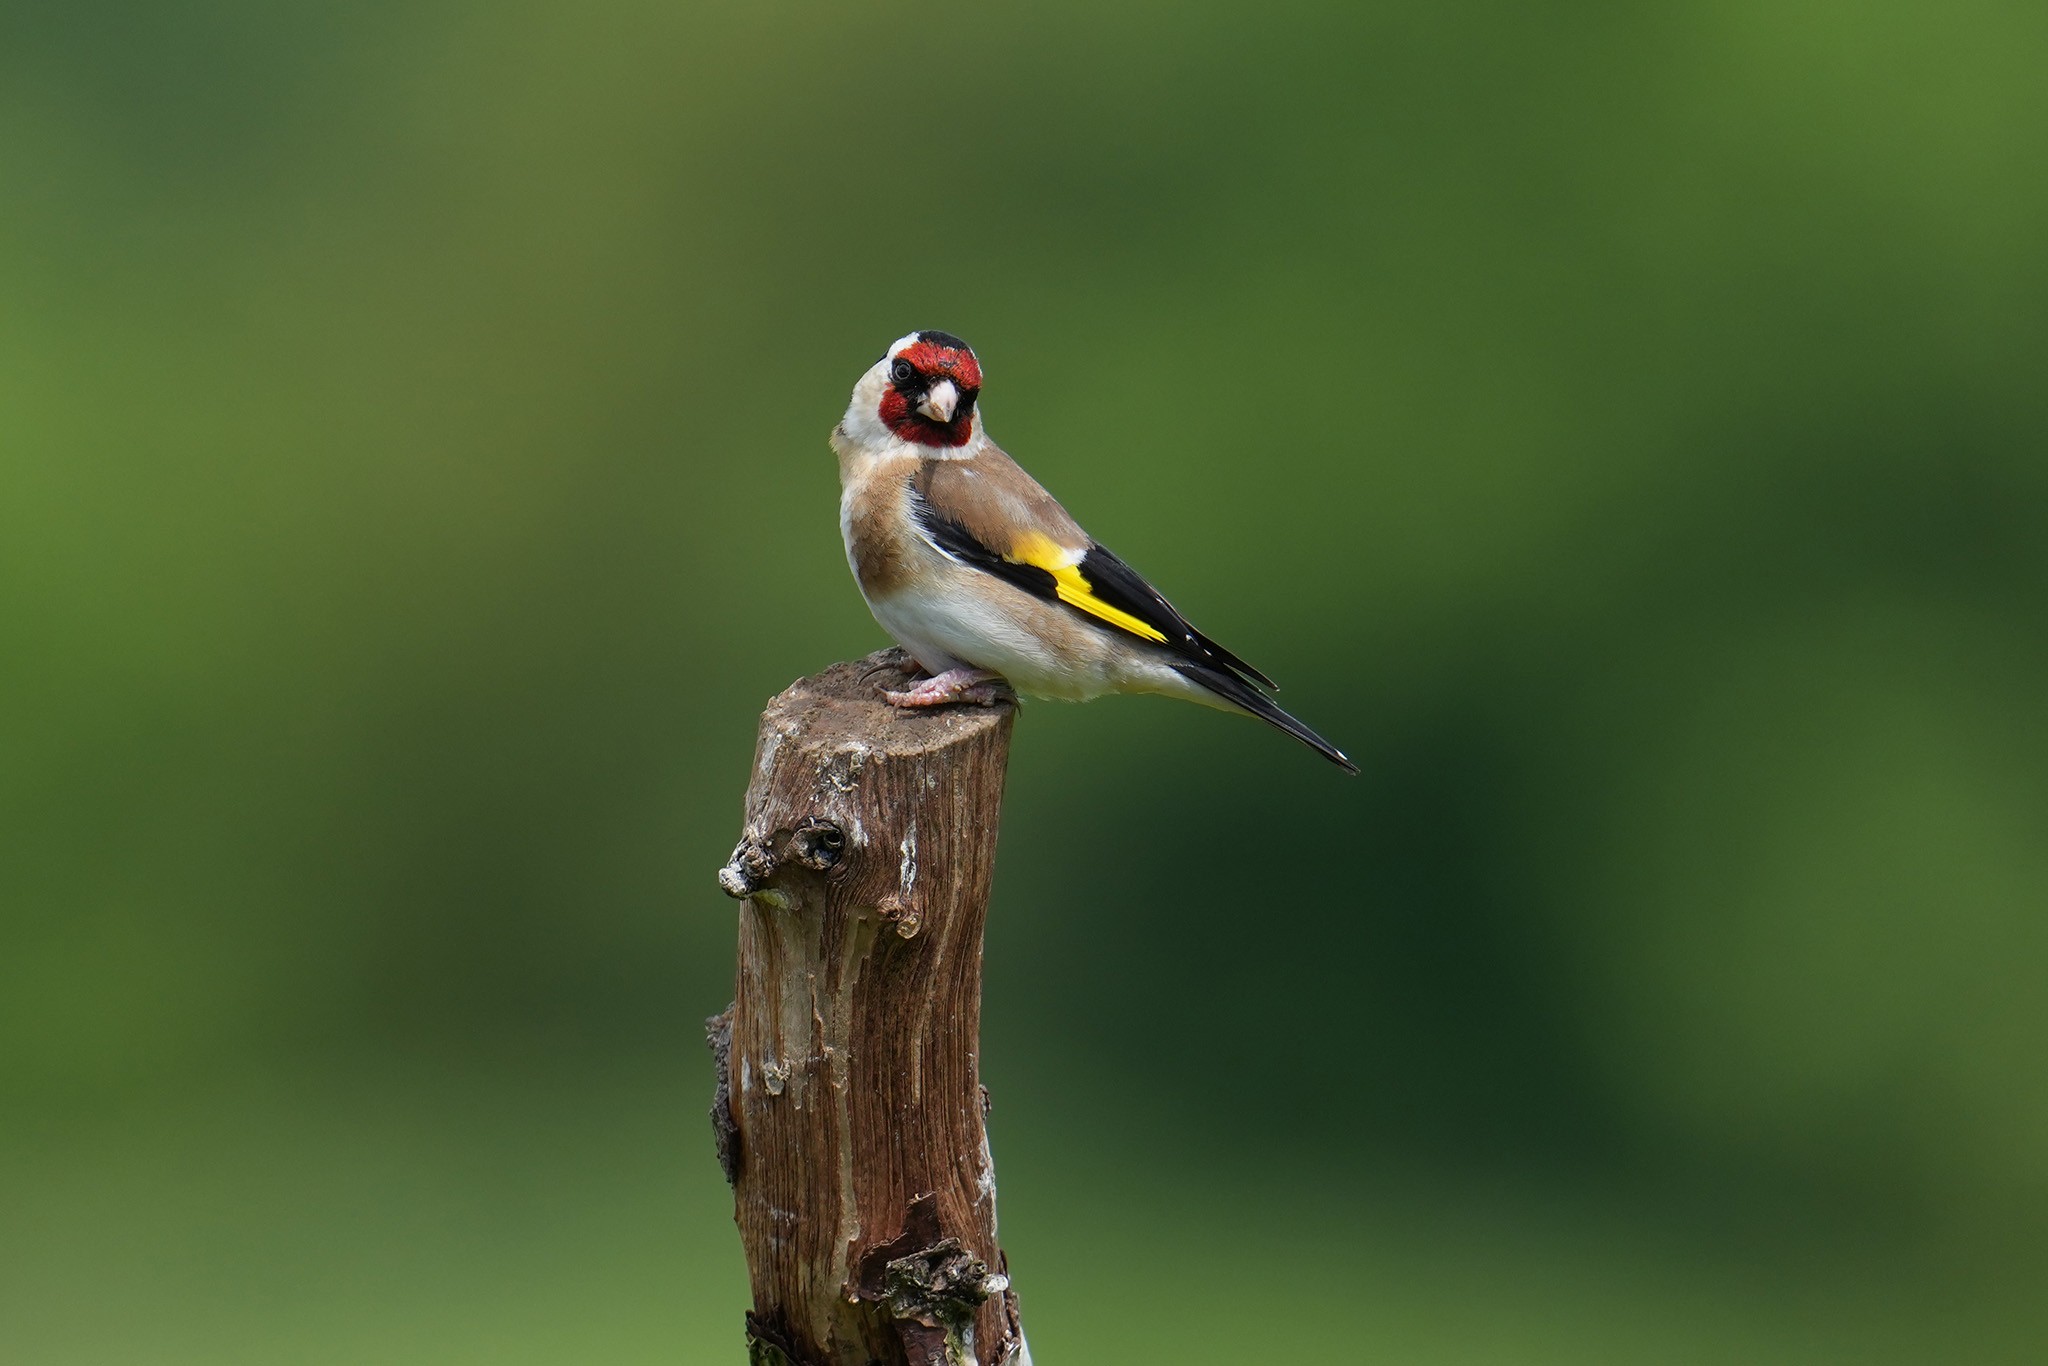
(874, 519)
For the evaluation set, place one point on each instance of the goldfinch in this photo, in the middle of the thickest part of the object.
(983, 577)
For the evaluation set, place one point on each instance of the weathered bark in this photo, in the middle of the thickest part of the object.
(849, 1110)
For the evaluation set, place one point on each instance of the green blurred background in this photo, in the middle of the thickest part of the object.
(1621, 428)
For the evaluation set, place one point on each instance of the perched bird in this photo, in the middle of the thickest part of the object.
(983, 577)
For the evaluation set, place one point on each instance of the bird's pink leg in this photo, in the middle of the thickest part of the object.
(978, 686)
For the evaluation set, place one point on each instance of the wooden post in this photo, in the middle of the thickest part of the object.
(849, 1107)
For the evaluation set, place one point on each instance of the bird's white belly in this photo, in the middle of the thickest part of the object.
(950, 619)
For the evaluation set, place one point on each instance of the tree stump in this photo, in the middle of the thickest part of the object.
(849, 1112)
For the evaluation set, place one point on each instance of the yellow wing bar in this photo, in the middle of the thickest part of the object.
(1072, 586)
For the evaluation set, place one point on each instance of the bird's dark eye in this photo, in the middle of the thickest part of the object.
(903, 372)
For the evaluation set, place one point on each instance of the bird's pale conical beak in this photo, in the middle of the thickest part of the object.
(940, 401)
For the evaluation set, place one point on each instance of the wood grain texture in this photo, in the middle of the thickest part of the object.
(851, 1096)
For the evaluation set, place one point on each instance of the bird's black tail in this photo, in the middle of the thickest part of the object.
(1242, 694)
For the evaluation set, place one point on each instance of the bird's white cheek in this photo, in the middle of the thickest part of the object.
(863, 420)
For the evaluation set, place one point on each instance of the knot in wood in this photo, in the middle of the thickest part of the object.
(748, 870)
(905, 918)
(940, 1287)
(817, 844)
(930, 1286)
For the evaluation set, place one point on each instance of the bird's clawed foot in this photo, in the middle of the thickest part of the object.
(976, 686)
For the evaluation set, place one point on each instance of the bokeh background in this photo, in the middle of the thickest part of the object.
(1622, 428)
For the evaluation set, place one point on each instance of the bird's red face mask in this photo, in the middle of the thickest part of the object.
(933, 383)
